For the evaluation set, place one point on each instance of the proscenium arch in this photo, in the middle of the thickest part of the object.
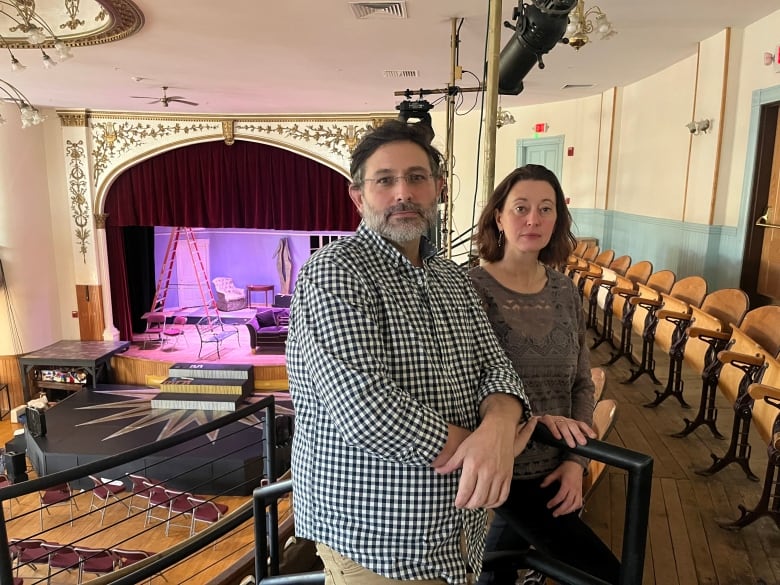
(103, 189)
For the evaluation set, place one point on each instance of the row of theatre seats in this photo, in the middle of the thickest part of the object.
(733, 348)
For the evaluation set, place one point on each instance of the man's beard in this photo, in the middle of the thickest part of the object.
(402, 229)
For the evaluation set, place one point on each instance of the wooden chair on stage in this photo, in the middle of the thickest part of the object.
(725, 306)
(752, 344)
(611, 306)
(659, 282)
(766, 414)
(690, 290)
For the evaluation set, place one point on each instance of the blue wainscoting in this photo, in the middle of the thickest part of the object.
(713, 252)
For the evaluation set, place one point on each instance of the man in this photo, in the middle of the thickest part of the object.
(398, 383)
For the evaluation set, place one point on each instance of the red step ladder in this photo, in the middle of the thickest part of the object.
(185, 234)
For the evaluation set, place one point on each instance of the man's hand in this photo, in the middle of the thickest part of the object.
(486, 457)
(574, 432)
(569, 496)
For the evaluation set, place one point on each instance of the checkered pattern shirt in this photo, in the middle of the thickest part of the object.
(381, 355)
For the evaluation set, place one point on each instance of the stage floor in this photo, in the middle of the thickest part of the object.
(92, 424)
(234, 349)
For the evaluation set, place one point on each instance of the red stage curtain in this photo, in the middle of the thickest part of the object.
(246, 185)
(211, 184)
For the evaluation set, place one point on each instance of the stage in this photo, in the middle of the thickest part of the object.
(94, 423)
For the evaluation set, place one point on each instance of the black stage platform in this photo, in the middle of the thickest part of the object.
(93, 423)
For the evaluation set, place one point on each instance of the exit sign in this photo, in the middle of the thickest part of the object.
(541, 127)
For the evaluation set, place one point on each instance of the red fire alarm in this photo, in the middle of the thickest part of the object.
(540, 127)
(570, 151)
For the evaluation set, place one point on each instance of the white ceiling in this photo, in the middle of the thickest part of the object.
(307, 56)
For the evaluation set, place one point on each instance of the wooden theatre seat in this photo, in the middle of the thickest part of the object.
(718, 310)
(611, 303)
(659, 282)
(743, 363)
(582, 263)
(690, 290)
(576, 254)
(592, 269)
(766, 416)
(604, 418)
(592, 290)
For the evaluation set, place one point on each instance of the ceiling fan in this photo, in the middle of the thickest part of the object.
(165, 99)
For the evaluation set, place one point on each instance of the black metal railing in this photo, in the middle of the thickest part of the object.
(637, 510)
(157, 562)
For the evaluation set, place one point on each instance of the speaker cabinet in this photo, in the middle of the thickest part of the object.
(15, 466)
(36, 422)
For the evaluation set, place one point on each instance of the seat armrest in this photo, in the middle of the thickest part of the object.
(626, 293)
(252, 334)
(673, 315)
(732, 357)
(645, 302)
(704, 334)
(759, 391)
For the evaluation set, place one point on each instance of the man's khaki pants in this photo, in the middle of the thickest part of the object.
(340, 570)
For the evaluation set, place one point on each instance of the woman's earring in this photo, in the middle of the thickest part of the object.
(501, 239)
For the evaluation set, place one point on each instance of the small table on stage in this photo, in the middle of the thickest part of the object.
(92, 356)
(263, 288)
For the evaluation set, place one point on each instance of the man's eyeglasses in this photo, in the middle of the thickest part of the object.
(412, 179)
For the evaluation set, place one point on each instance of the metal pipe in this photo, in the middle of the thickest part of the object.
(491, 100)
(449, 155)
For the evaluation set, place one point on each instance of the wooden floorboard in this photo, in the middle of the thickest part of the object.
(686, 546)
(685, 543)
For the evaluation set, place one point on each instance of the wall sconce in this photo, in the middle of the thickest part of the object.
(699, 126)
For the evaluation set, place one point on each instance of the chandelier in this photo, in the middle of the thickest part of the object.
(586, 22)
(23, 27)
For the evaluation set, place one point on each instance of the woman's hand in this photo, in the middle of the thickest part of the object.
(573, 432)
(569, 496)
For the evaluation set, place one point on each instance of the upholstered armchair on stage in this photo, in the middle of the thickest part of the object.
(229, 296)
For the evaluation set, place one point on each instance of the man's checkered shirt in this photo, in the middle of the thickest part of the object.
(381, 355)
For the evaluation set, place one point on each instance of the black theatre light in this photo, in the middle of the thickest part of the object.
(540, 25)
(417, 110)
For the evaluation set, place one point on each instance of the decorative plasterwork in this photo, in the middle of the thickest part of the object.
(73, 119)
(100, 221)
(77, 190)
(112, 140)
(120, 137)
(118, 19)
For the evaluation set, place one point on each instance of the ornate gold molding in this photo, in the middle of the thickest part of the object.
(73, 118)
(77, 189)
(337, 139)
(228, 132)
(100, 220)
(124, 19)
(112, 139)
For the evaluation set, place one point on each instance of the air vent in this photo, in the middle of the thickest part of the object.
(578, 85)
(396, 73)
(379, 9)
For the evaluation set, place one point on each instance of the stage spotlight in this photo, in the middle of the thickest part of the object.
(540, 25)
(417, 110)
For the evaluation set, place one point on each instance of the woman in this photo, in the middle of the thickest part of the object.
(524, 232)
